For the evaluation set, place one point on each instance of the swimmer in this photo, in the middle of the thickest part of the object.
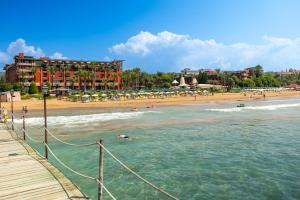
(122, 136)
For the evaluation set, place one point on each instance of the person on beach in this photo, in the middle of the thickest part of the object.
(5, 117)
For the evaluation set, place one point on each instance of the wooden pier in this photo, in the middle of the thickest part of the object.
(25, 175)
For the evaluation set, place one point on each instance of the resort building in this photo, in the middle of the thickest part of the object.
(289, 72)
(59, 73)
(247, 73)
(189, 75)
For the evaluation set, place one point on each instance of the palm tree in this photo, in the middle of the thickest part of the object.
(51, 69)
(73, 79)
(124, 79)
(33, 70)
(83, 74)
(114, 76)
(64, 67)
(94, 67)
(105, 81)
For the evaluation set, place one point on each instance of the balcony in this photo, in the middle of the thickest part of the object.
(25, 76)
(26, 64)
(24, 70)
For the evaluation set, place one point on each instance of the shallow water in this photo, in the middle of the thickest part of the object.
(207, 151)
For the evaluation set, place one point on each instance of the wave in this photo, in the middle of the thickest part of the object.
(82, 119)
(268, 107)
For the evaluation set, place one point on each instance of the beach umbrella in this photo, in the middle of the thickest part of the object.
(103, 95)
(175, 82)
(95, 95)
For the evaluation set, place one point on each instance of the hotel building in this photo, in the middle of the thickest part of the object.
(73, 74)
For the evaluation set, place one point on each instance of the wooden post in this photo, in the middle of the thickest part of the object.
(45, 126)
(12, 111)
(100, 176)
(24, 137)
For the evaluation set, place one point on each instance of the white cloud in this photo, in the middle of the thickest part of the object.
(171, 52)
(20, 45)
(16, 47)
(58, 55)
(3, 57)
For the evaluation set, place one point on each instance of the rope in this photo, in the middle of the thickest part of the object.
(89, 177)
(38, 153)
(34, 140)
(78, 173)
(67, 143)
(106, 190)
(67, 167)
(137, 175)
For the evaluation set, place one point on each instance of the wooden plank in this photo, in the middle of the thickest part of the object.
(25, 175)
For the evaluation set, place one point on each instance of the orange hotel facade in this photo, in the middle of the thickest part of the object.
(72, 74)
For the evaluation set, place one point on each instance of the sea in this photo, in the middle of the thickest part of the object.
(207, 151)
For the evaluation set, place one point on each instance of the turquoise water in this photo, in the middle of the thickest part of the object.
(205, 151)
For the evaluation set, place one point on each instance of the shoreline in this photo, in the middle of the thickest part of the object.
(54, 104)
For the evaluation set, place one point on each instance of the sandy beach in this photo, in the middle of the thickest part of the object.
(35, 104)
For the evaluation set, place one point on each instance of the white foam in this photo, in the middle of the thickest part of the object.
(82, 119)
(268, 107)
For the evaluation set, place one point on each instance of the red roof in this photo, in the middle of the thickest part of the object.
(294, 86)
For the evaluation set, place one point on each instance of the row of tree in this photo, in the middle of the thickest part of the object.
(137, 79)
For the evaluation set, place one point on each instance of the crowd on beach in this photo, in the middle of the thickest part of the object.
(143, 95)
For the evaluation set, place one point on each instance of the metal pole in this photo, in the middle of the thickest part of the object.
(45, 121)
(12, 113)
(24, 137)
(100, 176)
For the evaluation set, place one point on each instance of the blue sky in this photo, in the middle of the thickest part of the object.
(156, 35)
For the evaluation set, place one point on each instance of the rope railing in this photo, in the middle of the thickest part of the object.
(67, 143)
(23, 130)
(137, 175)
(79, 173)
(121, 163)
(86, 176)
(28, 136)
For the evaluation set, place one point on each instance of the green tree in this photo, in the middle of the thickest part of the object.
(33, 71)
(33, 89)
(258, 71)
(83, 74)
(94, 66)
(73, 79)
(51, 69)
(248, 83)
(6, 87)
(17, 87)
(63, 67)
(202, 77)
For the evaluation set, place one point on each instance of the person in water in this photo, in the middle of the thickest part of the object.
(122, 136)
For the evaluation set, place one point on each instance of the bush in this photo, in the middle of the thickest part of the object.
(17, 87)
(33, 88)
(6, 87)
